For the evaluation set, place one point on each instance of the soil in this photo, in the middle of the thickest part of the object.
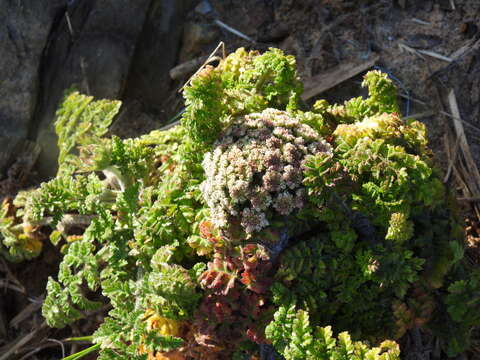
(322, 35)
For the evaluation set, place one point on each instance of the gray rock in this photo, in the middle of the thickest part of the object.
(156, 53)
(273, 32)
(24, 29)
(95, 58)
(195, 36)
(120, 49)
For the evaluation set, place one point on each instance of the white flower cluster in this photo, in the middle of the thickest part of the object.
(256, 169)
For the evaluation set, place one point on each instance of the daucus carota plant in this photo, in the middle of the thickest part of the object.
(254, 227)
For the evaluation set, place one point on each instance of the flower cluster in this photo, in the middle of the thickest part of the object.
(255, 170)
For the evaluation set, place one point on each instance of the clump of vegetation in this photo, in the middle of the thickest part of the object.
(256, 226)
(243, 83)
(293, 335)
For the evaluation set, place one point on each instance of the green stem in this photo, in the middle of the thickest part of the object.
(80, 338)
(82, 353)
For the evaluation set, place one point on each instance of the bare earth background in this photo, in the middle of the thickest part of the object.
(143, 51)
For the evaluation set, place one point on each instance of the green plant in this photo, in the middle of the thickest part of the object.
(243, 83)
(296, 339)
(254, 205)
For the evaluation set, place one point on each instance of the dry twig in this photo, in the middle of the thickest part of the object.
(211, 57)
(435, 55)
(452, 159)
(25, 313)
(322, 82)
(421, 115)
(468, 168)
(470, 46)
(187, 67)
(420, 21)
(21, 341)
(11, 278)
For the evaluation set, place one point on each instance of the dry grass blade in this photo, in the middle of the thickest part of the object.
(420, 21)
(7, 284)
(59, 343)
(17, 285)
(468, 168)
(421, 115)
(404, 47)
(470, 199)
(20, 342)
(435, 55)
(470, 46)
(211, 57)
(52, 343)
(423, 103)
(322, 82)
(69, 24)
(233, 31)
(458, 124)
(452, 158)
(25, 313)
(420, 53)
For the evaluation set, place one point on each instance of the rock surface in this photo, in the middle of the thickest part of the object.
(120, 49)
(156, 53)
(92, 53)
(24, 29)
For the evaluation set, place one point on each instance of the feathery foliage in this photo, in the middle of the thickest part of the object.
(81, 121)
(252, 221)
(243, 83)
(292, 334)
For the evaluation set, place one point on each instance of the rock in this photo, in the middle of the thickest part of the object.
(156, 53)
(118, 49)
(24, 29)
(204, 7)
(187, 68)
(195, 36)
(9, 146)
(95, 58)
(273, 32)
